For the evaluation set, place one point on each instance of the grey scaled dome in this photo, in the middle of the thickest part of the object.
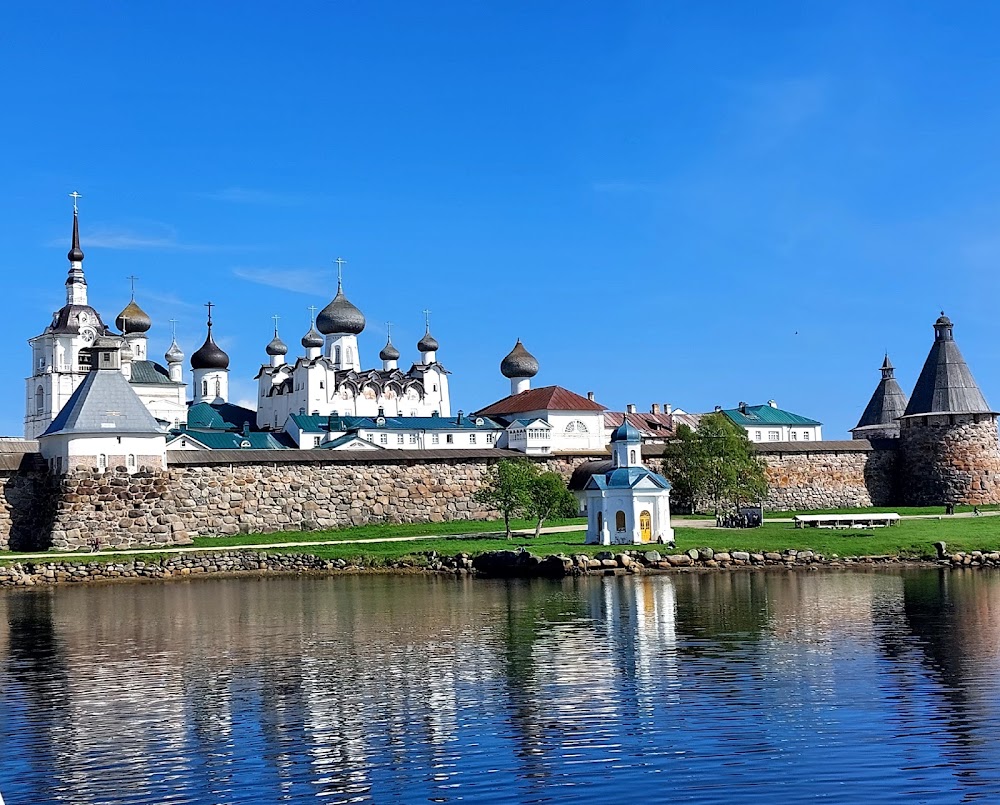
(133, 319)
(209, 355)
(312, 339)
(174, 354)
(276, 346)
(519, 363)
(389, 352)
(428, 343)
(340, 316)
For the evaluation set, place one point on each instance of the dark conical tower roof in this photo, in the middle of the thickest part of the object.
(946, 385)
(887, 403)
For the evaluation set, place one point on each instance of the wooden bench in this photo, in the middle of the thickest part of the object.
(846, 520)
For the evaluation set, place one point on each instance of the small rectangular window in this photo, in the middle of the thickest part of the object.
(399, 438)
(413, 438)
(805, 436)
(756, 436)
(450, 439)
(472, 438)
(794, 435)
(435, 438)
(383, 438)
(773, 435)
(316, 440)
(490, 438)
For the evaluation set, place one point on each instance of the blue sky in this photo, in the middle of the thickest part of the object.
(694, 203)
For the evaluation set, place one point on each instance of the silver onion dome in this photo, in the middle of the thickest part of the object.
(389, 352)
(519, 363)
(312, 339)
(340, 316)
(133, 319)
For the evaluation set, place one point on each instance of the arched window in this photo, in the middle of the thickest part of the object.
(600, 522)
(39, 400)
(620, 521)
(204, 388)
(576, 426)
(350, 355)
(631, 456)
(102, 461)
(131, 461)
(218, 387)
(336, 354)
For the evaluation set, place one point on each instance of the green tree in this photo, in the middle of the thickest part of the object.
(506, 488)
(717, 463)
(548, 497)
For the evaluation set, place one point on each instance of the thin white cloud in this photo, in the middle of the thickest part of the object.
(246, 195)
(297, 280)
(153, 236)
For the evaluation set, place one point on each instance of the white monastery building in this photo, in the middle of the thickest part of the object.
(61, 357)
(550, 419)
(768, 423)
(104, 424)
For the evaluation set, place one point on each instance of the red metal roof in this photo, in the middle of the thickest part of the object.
(547, 398)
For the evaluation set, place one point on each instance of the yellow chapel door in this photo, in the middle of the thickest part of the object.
(645, 526)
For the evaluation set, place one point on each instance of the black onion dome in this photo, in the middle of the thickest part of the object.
(133, 319)
(389, 352)
(75, 253)
(519, 363)
(209, 355)
(276, 346)
(174, 354)
(312, 339)
(340, 316)
(428, 343)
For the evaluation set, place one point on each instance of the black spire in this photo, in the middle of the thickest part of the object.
(75, 254)
(209, 355)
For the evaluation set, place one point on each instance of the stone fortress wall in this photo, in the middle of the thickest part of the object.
(228, 492)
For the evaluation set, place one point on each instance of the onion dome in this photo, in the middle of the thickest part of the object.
(276, 346)
(626, 432)
(174, 354)
(75, 253)
(209, 355)
(428, 343)
(126, 351)
(133, 319)
(312, 339)
(389, 352)
(519, 363)
(340, 316)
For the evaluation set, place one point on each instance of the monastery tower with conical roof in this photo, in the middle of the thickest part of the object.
(948, 434)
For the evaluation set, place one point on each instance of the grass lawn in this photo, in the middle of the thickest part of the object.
(378, 530)
(911, 538)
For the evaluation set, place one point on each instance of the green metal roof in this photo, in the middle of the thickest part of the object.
(217, 440)
(203, 415)
(756, 416)
(313, 423)
(150, 373)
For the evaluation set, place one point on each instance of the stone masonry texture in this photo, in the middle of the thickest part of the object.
(114, 510)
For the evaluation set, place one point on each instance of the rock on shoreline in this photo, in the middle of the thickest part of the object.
(493, 564)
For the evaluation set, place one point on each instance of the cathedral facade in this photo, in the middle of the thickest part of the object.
(328, 380)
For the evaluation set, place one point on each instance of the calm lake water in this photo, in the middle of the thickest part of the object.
(715, 687)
